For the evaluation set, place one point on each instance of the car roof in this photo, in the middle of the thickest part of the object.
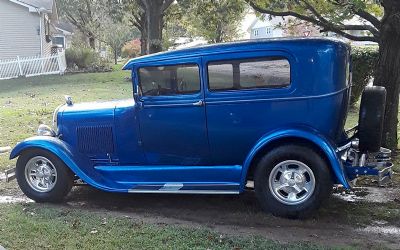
(244, 45)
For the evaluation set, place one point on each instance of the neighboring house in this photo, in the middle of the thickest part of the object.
(264, 26)
(62, 37)
(25, 27)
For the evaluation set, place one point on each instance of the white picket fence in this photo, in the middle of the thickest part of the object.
(33, 66)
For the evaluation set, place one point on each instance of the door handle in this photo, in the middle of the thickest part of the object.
(199, 103)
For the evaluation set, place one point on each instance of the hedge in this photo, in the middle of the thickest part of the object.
(364, 60)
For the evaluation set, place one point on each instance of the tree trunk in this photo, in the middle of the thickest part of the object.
(154, 28)
(388, 70)
(115, 56)
(143, 40)
(92, 42)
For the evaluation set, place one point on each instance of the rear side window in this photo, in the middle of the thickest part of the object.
(272, 72)
(169, 80)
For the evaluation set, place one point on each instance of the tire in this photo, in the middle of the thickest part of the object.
(53, 172)
(267, 178)
(370, 123)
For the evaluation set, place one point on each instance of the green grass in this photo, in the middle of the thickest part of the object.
(29, 227)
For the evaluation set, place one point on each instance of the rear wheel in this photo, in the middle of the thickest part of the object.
(291, 181)
(42, 176)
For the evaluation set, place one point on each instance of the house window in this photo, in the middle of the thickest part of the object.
(271, 72)
(58, 40)
(169, 80)
(268, 31)
(255, 32)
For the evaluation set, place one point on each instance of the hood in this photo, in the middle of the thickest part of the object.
(90, 106)
(90, 127)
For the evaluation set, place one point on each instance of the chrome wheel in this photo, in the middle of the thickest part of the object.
(40, 174)
(292, 182)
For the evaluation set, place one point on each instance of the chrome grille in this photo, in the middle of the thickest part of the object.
(95, 139)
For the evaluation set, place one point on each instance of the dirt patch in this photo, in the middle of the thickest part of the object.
(339, 222)
(368, 194)
(5, 199)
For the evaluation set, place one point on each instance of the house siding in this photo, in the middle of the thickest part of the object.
(46, 46)
(18, 31)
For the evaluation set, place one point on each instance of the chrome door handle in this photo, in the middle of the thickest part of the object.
(199, 103)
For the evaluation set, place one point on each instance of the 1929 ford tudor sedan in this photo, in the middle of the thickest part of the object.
(218, 119)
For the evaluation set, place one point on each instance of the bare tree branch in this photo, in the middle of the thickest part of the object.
(166, 4)
(370, 18)
(341, 26)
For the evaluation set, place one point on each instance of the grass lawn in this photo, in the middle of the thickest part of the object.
(28, 226)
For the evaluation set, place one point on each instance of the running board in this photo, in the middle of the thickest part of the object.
(187, 188)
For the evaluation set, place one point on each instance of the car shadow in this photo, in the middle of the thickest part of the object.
(235, 210)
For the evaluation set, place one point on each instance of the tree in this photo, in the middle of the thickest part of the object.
(215, 20)
(330, 16)
(148, 17)
(134, 11)
(84, 15)
(154, 13)
(115, 35)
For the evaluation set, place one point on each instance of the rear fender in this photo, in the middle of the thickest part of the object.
(305, 133)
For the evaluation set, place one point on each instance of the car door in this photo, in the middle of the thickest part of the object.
(246, 97)
(172, 114)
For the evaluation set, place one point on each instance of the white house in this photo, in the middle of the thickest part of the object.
(25, 27)
(266, 27)
(253, 26)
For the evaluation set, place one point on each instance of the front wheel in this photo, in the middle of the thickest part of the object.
(42, 176)
(291, 181)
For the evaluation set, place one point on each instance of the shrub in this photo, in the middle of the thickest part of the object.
(131, 49)
(364, 60)
(85, 59)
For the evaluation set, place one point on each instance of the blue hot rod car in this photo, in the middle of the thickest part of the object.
(218, 119)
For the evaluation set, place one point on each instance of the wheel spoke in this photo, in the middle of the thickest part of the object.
(280, 186)
(292, 196)
(298, 190)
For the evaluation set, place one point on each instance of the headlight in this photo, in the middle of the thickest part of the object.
(45, 130)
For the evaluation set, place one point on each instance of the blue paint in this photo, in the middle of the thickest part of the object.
(158, 140)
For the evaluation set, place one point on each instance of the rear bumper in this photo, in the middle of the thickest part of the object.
(377, 164)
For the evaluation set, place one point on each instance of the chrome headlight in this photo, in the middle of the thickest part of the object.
(45, 130)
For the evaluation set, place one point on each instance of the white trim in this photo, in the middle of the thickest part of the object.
(64, 31)
(30, 7)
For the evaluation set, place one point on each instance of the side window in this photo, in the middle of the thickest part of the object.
(220, 76)
(169, 80)
(273, 72)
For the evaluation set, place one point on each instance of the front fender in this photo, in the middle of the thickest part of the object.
(77, 162)
(301, 132)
